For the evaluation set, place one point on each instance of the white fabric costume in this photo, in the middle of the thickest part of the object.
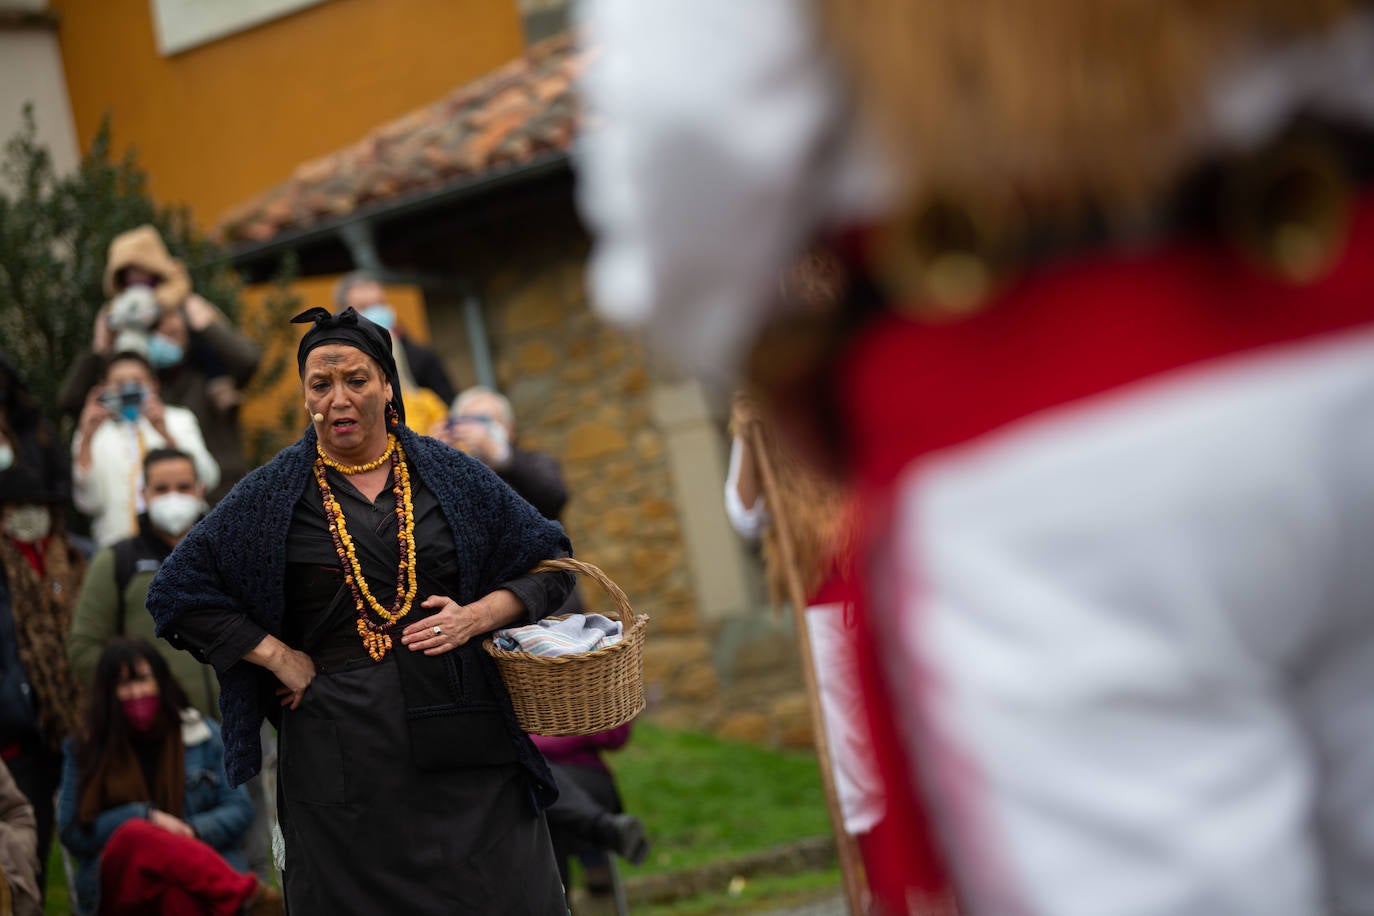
(1142, 621)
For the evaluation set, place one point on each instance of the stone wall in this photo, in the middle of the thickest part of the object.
(583, 392)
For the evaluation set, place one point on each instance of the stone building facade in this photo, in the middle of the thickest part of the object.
(644, 457)
(470, 200)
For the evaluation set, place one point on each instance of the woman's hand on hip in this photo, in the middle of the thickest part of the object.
(453, 624)
(295, 672)
(292, 667)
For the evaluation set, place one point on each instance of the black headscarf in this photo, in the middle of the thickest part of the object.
(351, 330)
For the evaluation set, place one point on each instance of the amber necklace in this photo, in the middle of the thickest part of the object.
(350, 469)
(373, 632)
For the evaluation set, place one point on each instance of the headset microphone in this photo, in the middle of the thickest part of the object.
(319, 418)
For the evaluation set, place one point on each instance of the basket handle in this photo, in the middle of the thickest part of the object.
(623, 612)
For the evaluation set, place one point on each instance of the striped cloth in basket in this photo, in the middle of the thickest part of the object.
(574, 633)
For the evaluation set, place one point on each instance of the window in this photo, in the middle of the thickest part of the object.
(184, 24)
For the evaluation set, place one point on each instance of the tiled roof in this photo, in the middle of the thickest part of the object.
(510, 116)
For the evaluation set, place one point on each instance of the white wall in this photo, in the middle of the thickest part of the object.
(697, 457)
(31, 71)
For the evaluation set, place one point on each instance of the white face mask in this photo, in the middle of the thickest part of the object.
(175, 513)
(28, 524)
(6, 456)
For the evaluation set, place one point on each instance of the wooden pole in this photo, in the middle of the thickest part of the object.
(846, 849)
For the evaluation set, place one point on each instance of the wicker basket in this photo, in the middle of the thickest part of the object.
(585, 692)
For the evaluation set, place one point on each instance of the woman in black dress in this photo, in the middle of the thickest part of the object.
(343, 590)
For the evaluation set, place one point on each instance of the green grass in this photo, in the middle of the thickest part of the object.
(703, 799)
(55, 899)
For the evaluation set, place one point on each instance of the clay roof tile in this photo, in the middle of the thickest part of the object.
(504, 117)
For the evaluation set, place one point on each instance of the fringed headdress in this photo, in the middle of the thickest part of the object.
(1048, 106)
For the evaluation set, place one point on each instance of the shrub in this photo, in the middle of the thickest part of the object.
(54, 233)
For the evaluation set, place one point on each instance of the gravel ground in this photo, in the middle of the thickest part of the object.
(833, 906)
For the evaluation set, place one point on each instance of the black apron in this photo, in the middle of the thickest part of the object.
(398, 786)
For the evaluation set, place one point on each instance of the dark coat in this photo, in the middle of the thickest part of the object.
(234, 560)
(535, 476)
(427, 369)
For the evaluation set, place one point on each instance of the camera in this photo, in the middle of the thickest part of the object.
(126, 402)
(454, 422)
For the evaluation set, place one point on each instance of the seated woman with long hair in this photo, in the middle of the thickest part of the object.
(146, 810)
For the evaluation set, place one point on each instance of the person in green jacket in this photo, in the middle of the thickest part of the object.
(116, 584)
(112, 603)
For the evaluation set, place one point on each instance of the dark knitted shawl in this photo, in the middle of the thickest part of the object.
(235, 560)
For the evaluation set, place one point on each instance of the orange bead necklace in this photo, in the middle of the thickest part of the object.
(373, 631)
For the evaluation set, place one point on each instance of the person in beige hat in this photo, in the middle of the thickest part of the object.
(202, 361)
(140, 257)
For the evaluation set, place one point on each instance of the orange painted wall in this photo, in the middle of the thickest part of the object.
(219, 123)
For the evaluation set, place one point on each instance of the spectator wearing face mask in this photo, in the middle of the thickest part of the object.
(482, 424)
(362, 291)
(147, 812)
(112, 604)
(124, 419)
(116, 584)
(201, 361)
(40, 574)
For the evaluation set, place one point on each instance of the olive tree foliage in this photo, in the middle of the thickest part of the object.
(55, 231)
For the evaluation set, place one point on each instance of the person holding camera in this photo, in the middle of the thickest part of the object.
(482, 424)
(201, 361)
(123, 419)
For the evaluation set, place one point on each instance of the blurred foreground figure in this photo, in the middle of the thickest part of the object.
(1105, 375)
